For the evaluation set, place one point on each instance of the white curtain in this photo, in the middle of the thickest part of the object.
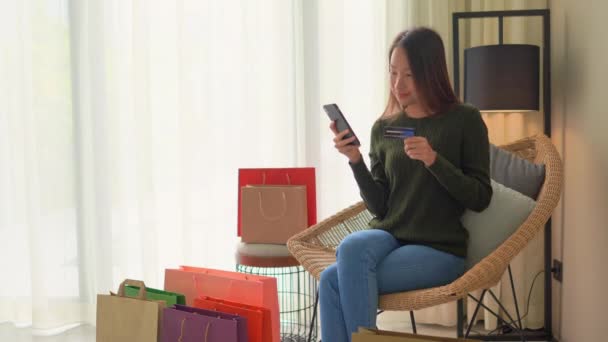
(347, 64)
(123, 124)
(38, 221)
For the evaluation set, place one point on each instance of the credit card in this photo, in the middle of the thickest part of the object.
(394, 132)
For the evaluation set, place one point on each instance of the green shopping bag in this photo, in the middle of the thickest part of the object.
(171, 298)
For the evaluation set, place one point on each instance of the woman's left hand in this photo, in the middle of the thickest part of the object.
(419, 148)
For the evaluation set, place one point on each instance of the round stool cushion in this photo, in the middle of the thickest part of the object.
(264, 255)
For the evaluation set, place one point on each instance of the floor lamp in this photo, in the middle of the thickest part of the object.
(505, 78)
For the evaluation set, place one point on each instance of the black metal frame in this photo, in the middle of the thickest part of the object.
(314, 316)
(547, 334)
(515, 325)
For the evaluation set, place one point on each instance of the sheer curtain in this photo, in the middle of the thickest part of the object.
(39, 249)
(346, 63)
(174, 97)
(123, 125)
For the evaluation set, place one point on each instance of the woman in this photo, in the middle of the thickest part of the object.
(417, 188)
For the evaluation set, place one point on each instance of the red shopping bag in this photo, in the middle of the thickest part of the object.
(259, 327)
(281, 176)
(248, 289)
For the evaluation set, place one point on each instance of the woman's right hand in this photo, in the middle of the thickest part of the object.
(342, 145)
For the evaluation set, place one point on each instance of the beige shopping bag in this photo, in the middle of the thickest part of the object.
(127, 319)
(374, 335)
(272, 213)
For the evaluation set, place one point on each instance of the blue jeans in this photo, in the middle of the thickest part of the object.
(369, 263)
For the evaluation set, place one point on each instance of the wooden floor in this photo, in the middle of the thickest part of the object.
(86, 333)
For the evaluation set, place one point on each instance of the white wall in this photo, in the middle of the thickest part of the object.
(580, 129)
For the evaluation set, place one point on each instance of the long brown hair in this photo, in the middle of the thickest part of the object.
(426, 55)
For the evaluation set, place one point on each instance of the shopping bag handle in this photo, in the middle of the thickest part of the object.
(197, 288)
(181, 333)
(273, 218)
(138, 283)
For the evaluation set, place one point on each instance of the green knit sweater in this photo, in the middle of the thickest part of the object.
(421, 205)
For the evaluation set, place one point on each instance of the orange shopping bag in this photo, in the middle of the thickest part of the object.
(242, 288)
(259, 327)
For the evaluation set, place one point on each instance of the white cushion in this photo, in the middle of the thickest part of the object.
(508, 209)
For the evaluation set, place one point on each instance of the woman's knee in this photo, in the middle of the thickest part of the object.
(368, 242)
(329, 278)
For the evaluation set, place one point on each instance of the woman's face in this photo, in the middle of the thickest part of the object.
(402, 80)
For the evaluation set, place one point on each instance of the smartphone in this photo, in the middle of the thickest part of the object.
(336, 115)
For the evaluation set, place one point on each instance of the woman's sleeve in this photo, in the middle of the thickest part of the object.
(469, 185)
(373, 185)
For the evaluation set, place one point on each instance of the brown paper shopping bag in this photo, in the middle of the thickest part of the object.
(374, 335)
(272, 213)
(122, 319)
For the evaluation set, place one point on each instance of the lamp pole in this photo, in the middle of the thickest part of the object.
(546, 77)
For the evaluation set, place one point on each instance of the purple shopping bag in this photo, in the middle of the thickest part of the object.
(185, 324)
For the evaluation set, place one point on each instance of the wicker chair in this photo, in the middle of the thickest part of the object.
(315, 247)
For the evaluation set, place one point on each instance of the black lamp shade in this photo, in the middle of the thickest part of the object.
(502, 78)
